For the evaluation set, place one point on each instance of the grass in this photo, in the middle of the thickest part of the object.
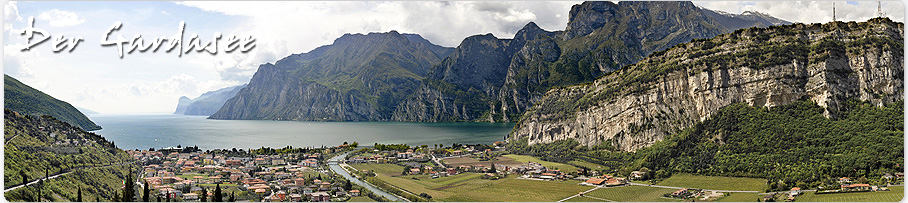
(469, 187)
(457, 161)
(523, 159)
(361, 199)
(894, 195)
(582, 199)
(715, 182)
(740, 197)
(633, 193)
(589, 165)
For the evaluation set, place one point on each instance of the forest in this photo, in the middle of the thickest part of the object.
(791, 145)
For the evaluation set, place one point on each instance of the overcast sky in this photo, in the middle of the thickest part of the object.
(96, 78)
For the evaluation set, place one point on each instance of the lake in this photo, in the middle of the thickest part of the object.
(169, 130)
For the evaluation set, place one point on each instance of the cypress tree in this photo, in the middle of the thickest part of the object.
(204, 196)
(79, 195)
(129, 188)
(217, 194)
(145, 192)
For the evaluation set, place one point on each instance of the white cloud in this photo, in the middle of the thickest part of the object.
(812, 11)
(59, 18)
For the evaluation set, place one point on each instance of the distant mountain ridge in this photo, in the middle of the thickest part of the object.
(207, 103)
(24, 99)
(744, 20)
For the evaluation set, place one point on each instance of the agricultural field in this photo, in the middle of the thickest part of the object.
(523, 159)
(457, 161)
(895, 194)
(633, 193)
(469, 187)
(740, 197)
(715, 182)
(589, 165)
(384, 169)
(361, 199)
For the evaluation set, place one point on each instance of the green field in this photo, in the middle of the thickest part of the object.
(740, 197)
(469, 187)
(896, 194)
(523, 159)
(361, 199)
(582, 199)
(633, 193)
(592, 166)
(387, 169)
(715, 182)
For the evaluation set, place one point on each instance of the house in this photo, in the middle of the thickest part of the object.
(414, 171)
(278, 162)
(595, 181)
(324, 186)
(320, 197)
(635, 175)
(354, 193)
(615, 182)
(260, 191)
(260, 161)
(281, 195)
(856, 187)
(190, 196)
(844, 180)
(296, 198)
(680, 193)
(795, 191)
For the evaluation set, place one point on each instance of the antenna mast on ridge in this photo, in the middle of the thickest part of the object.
(833, 11)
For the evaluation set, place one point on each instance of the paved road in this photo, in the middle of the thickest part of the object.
(584, 192)
(334, 165)
(60, 174)
(437, 161)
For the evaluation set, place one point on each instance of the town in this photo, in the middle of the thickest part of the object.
(423, 173)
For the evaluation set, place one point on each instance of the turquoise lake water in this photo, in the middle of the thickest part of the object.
(168, 130)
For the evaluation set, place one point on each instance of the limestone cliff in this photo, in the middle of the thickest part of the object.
(673, 89)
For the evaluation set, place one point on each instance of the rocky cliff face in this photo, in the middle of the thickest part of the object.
(491, 79)
(182, 103)
(210, 102)
(671, 90)
(357, 78)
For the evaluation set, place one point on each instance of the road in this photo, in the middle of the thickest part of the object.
(437, 161)
(584, 192)
(60, 174)
(334, 165)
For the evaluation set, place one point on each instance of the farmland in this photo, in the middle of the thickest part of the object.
(467, 187)
(547, 164)
(894, 195)
(633, 193)
(715, 182)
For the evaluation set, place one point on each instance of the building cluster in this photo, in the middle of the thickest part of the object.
(606, 180)
(274, 178)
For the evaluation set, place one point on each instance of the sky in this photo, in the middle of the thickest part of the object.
(95, 77)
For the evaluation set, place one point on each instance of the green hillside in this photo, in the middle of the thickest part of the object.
(27, 100)
(39, 145)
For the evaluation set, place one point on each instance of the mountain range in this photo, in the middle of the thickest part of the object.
(763, 67)
(26, 100)
(207, 103)
(403, 77)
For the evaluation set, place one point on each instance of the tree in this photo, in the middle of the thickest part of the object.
(79, 194)
(493, 169)
(24, 176)
(128, 188)
(145, 192)
(204, 196)
(232, 197)
(217, 194)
